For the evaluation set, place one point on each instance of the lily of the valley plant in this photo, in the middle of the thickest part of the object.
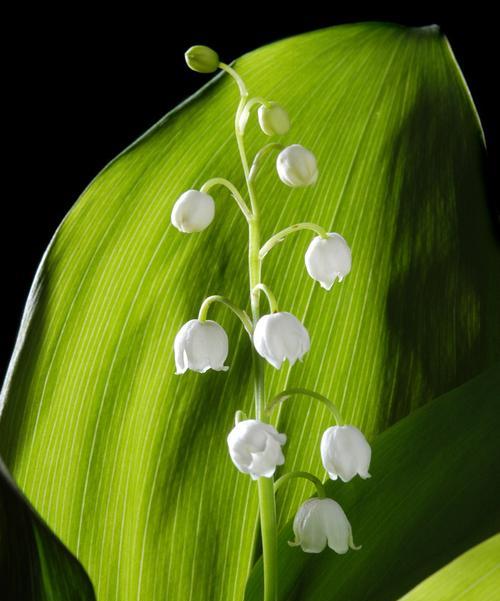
(255, 446)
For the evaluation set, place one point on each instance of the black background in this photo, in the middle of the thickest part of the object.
(83, 85)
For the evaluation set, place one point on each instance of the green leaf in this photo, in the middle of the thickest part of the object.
(127, 462)
(474, 576)
(34, 564)
(433, 493)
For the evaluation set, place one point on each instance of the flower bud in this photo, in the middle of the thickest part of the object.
(200, 346)
(345, 452)
(273, 119)
(319, 522)
(328, 259)
(193, 211)
(255, 448)
(297, 166)
(202, 59)
(280, 336)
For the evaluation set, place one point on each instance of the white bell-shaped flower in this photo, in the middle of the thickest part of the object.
(345, 452)
(297, 166)
(321, 522)
(200, 346)
(255, 448)
(328, 259)
(273, 119)
(280, 336)
(193, 211)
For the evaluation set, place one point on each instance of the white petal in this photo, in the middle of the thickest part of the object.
(296, 166)
(337, 527)
(279, 337)
(193, 211)
(308, 529)
(200, 346)
(255, 448)
(328, 259)
(345, 452)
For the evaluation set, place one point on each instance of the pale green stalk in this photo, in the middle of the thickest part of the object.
(320, 489)
(273, 303)
(265, 485)
(221, 181)
(240, 314)
(259, 157)
(286, 394)
(280, 236)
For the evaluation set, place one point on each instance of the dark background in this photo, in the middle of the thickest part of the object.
(83, 85)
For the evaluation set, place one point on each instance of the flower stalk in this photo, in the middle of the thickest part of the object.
(240, 314)
(221, 181)
(254, 445)
(286, 394)
(291, 229)
(320, 489)
(267, 503)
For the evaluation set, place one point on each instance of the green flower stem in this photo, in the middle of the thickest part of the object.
(269, 536)
(280, 236)
(273, 303)
(257, 100)
(221, 181)
(245, 111)
(242, 316)
(259, 157)
(236, 77)
(267, 504)
(316, 481)
(286, 394)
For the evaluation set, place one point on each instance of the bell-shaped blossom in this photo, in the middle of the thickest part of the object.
(273, 119)
(280, 336)
(255, 448)
(200, 346)
(322, 522)
(193, 211)
(297, 166)
(345, 452)
(328, 259)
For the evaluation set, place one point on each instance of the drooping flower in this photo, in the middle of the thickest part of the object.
(322, 522)
(297, 166)
(202, 59)
(200, 346)
(255, 448)
(345, 452)
(273, 119)
(280, 336)
(193, 211)
(328, 259)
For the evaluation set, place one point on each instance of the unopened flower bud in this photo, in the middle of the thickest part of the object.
(280, 336)
(328, 259)
(319, 522)
(202, 59)
(345, 452)
(193, 211)
(273, 119)
(200, 346)
(255, 448)
(297, 166)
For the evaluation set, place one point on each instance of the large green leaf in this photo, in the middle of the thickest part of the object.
(127, 462)
(474, 576)
(433, 493)
(34, 564)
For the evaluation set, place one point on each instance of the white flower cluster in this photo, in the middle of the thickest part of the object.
(255, 447)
